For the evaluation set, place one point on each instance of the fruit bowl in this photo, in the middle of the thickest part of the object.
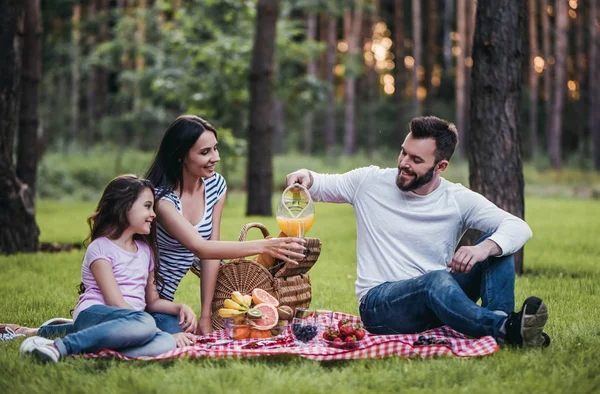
(236, 330)
(343, 345)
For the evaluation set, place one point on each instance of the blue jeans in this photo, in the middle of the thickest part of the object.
(443, 298)
(132, 333)
(166, 323)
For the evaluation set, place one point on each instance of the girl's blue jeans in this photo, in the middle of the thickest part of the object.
(132, 333)
(166, 323)
(444, 298)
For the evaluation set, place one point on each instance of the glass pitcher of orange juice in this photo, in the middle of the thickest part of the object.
(296, 211)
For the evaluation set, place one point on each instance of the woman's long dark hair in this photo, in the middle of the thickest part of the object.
(166, 171)
(110, 217)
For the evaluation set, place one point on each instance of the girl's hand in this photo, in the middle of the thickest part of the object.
(183, 339)
(285, 248)
(187, 319)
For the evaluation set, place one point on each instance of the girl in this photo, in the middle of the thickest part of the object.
(189, 202)
(119, 275)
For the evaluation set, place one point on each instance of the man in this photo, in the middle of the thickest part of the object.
(409, 222)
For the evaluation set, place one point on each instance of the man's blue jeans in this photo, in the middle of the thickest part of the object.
(166, 323)
(443, 298)
(132, 333)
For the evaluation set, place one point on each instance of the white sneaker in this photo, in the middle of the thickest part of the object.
(7, 334)
(40, 348)
(57, 320)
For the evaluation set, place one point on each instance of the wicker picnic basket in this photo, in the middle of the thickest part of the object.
(289, 283)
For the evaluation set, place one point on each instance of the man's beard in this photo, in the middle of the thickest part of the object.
(417, 182)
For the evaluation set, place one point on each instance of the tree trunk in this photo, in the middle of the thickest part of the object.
(353, 31)
(560, 49)
(461, 22)
(371, 104)
(533, 79)
(594, 82)
(18, 230)
(495, 167)
(447, 42)
(330, 122)
(311, 70)
(100, 72)
(432, 50)
(400, 77)
(580, 72)
(417, 47)
(92, 39)
(548, 69)
(468, 64)
(261, 125)
(75, 74)
(27, 149)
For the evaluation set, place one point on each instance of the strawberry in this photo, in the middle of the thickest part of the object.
(338, 340)
(343, 322)
(346, 330)
(350, 339)
(359, 332)
(330, 334)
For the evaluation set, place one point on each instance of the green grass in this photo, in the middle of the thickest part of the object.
(561, 264)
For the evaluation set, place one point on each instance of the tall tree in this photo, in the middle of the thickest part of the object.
(400, 77)
(560, 81)
(18, 230)
(329, 64)
(372, 85)
(27, 148)
(495, 166)
(75, 70)
(352, 26)
(547, 50)
(533, 78)
(432, 51)
(461, 23)
(594, 81)
(580, 73)
(259, 177)
(311, 71)
(417, 48)
(447, 41)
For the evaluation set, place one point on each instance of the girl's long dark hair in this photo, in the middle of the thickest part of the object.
(166, 171)
(110, 217)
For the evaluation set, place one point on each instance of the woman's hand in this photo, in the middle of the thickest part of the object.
(183, 339)
(285, 249)
(187, 319)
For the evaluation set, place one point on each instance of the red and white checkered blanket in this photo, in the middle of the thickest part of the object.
(372, 346)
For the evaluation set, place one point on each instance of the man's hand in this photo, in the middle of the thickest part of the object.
(302, 177)
(467, 256)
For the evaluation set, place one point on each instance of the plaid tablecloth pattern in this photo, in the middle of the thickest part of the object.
(372, 346)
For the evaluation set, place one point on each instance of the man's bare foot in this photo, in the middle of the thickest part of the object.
(204, 326)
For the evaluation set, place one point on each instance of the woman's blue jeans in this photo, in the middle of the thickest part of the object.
(132, 333)
(166, 323)
(443, 298)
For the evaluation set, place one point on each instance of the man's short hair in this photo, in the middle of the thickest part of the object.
(443, 132)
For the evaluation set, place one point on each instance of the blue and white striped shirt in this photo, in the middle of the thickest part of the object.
(175, 259)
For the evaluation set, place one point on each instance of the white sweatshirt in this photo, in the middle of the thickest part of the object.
(402, 235)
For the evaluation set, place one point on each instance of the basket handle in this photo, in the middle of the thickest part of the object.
(248, 226)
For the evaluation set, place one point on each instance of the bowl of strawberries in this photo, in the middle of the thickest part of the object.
(345, 336)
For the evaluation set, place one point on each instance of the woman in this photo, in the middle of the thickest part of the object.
(189, 202)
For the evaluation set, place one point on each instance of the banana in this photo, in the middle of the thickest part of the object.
(226, 312)
(231, 304)
(248, 300)
(239, 298)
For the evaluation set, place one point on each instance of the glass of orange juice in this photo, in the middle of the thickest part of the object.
(296, 211)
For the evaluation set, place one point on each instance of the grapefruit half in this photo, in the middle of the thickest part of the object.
(269, 318)
(260, 296)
